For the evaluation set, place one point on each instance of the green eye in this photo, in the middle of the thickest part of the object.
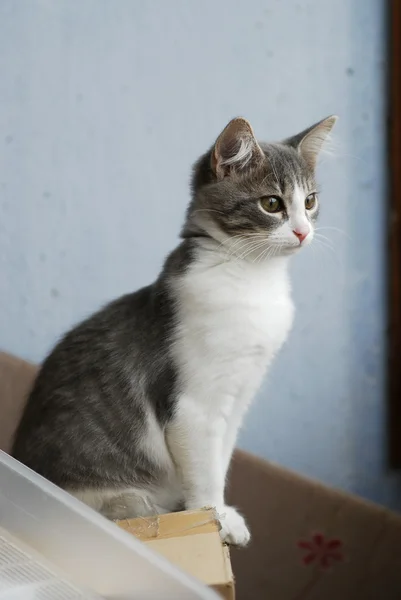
(271, 204)
(310, 201)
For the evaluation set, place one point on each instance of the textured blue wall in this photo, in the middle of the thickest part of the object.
(104, 106)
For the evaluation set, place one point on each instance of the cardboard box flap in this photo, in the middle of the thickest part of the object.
(190, 540)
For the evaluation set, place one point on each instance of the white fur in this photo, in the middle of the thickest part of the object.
(134, 502)
(298, 220)
(234, 317)
(243, 155)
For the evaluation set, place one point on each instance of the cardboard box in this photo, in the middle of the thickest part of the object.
(309, 542)
(190, 540)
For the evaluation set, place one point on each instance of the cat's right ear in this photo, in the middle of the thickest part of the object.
(236, 148)
(310, 141)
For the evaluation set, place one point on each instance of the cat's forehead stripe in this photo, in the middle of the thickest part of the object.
(286, 168)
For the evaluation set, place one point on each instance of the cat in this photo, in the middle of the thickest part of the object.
(136, 410)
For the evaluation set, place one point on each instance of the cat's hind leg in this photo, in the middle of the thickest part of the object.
(126, 503)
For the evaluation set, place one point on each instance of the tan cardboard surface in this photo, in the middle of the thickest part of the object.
(171, 525)
(190, 540)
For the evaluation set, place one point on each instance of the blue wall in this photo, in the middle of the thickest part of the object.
(104, 106)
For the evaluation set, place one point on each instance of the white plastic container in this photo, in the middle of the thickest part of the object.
(74, 541)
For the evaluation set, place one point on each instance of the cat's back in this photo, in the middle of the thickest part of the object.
(95, 345)
(91, 386)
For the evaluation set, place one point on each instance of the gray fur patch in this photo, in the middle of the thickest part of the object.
(86, 415)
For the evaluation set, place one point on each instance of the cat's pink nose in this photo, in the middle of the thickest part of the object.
(301, 234)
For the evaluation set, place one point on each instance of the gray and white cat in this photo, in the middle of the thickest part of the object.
(137, 409)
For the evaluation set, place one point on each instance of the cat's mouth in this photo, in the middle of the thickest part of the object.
(294, 248)
(288, 250)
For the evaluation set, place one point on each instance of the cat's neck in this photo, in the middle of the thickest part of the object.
(210, 254)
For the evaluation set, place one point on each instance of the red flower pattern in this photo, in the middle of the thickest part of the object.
(321, 551)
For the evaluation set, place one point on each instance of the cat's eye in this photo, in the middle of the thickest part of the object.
(271, 204)
(310, 201)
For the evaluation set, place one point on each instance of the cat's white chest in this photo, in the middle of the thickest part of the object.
(234, 317)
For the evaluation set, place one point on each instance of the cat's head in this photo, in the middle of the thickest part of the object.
(257, 199)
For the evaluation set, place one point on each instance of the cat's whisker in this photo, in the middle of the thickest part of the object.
(197, 210)
(230, 246)
(248, 241)
(336, 229)
(240, 240)
(253, 248)
(238, 246)
(261, 254)
(251, 241)
(248, 237)
(267, 253)
(235, 253)
(271, 252)
(332, 253)
(324, 244)
(319, 236)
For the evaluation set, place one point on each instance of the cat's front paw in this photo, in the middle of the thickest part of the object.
(233, 527)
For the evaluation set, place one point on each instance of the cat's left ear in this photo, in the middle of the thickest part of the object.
(310, 141)
(236, 149)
